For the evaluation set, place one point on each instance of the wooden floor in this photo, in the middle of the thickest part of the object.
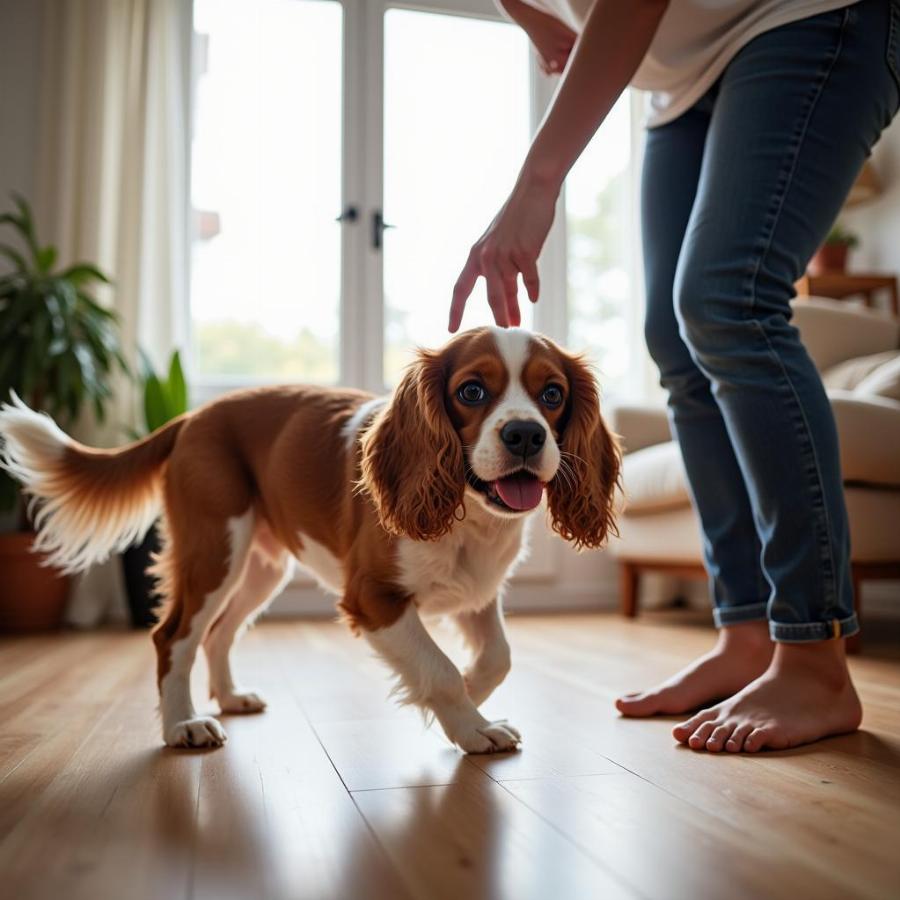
(335, 793)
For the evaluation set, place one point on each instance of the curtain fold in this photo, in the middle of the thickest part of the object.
(113, 189)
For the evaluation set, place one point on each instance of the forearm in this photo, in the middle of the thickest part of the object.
(613, 42)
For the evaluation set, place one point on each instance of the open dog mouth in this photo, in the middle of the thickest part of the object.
(516, 492)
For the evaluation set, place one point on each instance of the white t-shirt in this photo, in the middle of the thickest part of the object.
(695, 41)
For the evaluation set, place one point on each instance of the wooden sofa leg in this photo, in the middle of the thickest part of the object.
(629, 578)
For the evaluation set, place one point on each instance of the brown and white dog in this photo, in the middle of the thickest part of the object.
(406, 507)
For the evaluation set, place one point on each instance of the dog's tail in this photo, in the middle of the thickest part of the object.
(85, 503)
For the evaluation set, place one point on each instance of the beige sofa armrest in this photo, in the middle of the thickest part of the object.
(834, 331)
(640, 426)
(869, 434)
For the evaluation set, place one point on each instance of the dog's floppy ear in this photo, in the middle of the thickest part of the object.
(582, 495)
(412, 457)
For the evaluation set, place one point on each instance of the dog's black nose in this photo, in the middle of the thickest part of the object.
(522, 437)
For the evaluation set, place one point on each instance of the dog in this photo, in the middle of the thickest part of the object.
(405, 507)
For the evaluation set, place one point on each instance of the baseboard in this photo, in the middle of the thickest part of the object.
(310, 601)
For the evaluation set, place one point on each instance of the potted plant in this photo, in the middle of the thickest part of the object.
(165, 398)
(58, 348)
(832, 255)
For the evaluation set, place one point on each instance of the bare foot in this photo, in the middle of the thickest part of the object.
(742, 653)
(805, 694)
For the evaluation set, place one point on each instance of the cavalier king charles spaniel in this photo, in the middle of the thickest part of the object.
(406, 507)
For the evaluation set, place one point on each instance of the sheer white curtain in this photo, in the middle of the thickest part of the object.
(112, 184)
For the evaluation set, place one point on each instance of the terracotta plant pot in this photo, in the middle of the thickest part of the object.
(32, 596)
(829, 258)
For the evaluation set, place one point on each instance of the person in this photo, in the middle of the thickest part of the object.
(761, 114)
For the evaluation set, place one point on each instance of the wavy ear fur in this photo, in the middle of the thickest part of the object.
(582, 495)
(412, 458)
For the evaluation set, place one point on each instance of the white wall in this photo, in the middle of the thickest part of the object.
(20, 26)
(878, 222)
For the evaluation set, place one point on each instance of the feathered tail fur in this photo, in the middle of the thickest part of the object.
(84, 503)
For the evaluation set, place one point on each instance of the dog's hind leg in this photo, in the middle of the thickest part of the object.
(205, 567)
(268, 571)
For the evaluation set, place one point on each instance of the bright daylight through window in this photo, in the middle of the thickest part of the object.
(266, 175)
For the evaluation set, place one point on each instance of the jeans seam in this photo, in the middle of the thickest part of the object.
(826, 541)
(819, 87)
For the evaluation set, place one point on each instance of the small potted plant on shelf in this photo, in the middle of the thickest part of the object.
(165, 398)
(832, 255)
(58, 349)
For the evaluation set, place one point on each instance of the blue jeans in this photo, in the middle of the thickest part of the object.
(737, 194)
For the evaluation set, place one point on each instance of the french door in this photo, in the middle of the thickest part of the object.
(439, 108)
(345, 155)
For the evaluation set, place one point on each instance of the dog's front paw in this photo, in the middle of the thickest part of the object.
(241, 702)
(202, 731)
(491, 737)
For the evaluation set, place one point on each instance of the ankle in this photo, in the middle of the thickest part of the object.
(749, 638)
(825, 660)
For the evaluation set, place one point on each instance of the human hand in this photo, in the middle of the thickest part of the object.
(553, 40)
(510, 246)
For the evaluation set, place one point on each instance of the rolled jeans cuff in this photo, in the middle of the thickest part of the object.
(814, 631)
(734, 615)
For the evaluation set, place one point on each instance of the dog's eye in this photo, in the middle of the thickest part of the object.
(552, 396)
(472, 393)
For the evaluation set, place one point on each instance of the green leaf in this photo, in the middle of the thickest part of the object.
(155, 406)
(14, 257)
(177, 386)
(82, 273)
(45, 257)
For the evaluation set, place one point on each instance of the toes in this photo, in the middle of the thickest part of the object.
(765, 737)
(755, 740)
(203, 731)
(488, 737)
(720, 735)
(638, 704)
(682, 732)
(697, 741)
(735, 743)
(243, 703)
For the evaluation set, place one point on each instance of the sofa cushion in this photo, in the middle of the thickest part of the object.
(849, 374)
(884, 381)
(654, 479)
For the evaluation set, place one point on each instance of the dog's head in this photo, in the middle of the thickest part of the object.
(496, 418)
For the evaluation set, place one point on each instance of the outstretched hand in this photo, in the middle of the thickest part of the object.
(510, 247)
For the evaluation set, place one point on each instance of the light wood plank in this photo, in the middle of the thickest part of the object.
(335, 792)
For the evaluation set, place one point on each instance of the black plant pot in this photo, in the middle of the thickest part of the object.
(139, 586)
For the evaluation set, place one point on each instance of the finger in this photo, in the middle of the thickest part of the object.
(496, 296)
(461, 292)
(511, 296)
(531, 279)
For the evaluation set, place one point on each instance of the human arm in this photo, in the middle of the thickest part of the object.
(614, 40)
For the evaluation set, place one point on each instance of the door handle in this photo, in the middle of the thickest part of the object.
(379, 226)
(349, 214)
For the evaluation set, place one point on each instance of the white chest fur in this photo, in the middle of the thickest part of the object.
(465, 569)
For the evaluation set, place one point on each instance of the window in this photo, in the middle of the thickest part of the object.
(266, 186)
(346, 155)
(600, 231)
(454, 136)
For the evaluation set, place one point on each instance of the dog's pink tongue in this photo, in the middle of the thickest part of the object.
(519, 492)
